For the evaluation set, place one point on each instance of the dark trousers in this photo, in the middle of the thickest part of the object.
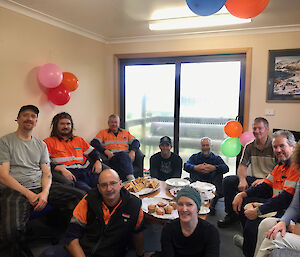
(250, 227)
(15, 208)
(230, 189)
(55, 251)
(122, 164)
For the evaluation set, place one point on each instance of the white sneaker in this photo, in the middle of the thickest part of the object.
(238, 240)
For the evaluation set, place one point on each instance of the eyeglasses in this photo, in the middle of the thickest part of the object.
(105, 185)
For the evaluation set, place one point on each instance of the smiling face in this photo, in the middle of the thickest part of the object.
(64, 127)
(27, 120)
(282, 149)
(165, 149)
(187, 209)
(260, 131)
(109, 187)
(114, 124)
(205, 147)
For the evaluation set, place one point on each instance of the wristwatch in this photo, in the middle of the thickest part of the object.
(258, 211)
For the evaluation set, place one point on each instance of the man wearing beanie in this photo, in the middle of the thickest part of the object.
(189, 235)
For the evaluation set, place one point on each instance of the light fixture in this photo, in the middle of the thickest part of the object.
(184, 18)
(196, 22)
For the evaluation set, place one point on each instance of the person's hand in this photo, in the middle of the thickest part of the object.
(132, 155)
(109, 154)
(200, 168)
(243, 185)
(237, 203)
(280, 226)
(42, 200)
(257, 182)
(97, 167)
(251, 213)
(209, 168)
(67, 174)
(32, 198)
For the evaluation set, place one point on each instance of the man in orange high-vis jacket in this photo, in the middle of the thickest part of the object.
(276, 192)
(104, 222)
(119, 146)
(71, 156)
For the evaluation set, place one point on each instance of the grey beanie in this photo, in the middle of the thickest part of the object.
(191, 193)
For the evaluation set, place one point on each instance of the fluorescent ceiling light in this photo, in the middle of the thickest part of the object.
(196, 22)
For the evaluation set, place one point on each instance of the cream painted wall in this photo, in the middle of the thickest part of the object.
(26, 44)
(286, 114)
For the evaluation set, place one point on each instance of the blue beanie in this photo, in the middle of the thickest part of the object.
(191, 193)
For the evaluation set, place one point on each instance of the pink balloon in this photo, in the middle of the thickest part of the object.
(246, 137)
(50, 75)
(59, 95)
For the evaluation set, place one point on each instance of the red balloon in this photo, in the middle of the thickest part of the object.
(246, 8)
(59, 95)
(70, 81)
(233, 128)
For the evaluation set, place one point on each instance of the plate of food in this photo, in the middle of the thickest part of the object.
(205, 195)
(142, 186)
(256, 204)
(177, 182)
(160, 208)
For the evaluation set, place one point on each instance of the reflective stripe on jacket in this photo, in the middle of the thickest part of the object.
(70, 153)
(114, 143)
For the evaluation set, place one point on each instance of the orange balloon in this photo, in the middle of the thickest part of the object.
(69, 81)
(233, 128)
(246, 9)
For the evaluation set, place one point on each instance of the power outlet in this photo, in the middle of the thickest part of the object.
(270, 112)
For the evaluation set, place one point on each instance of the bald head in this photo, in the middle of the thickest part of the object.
(108, 173)
(109, 187)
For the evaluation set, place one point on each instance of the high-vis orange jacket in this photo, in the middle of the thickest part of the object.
(69, 153)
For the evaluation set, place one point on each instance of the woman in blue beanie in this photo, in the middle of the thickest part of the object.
(189, 235)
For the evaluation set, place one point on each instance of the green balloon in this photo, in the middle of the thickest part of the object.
(231, 147)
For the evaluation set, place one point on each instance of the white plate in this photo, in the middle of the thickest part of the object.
(144, 191)
(155, 200)
(204, 210)
(177, 182)
(267, 215)
(204, 186)
(205, 195)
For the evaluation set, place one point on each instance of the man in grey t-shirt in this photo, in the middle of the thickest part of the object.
(26, 176)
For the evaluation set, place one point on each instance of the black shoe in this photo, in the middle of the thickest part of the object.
(228, 220)
(212, 211)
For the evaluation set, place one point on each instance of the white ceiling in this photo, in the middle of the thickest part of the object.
(127, 20)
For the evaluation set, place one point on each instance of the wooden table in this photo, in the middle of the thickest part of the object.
(153, 220)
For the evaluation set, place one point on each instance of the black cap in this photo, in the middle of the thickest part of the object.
(29, 107)
(165, 140)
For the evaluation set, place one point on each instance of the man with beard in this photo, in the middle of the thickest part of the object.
(71, 156)
(165, 164)
(25, 173)
(104, 222)
(207, 167)
(260, 157)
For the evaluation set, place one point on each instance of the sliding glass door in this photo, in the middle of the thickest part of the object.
(185, 98)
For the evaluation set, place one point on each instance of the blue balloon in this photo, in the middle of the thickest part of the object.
(205, 7)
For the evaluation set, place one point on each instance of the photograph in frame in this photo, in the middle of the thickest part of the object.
(284, 75)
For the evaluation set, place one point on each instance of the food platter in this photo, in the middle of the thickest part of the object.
(146, 189)
(156, 200)
(177, 182)
(256, 204)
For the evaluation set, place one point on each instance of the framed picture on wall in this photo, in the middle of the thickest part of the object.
(284, 76)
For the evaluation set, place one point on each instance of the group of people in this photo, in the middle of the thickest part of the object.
(65, 171)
